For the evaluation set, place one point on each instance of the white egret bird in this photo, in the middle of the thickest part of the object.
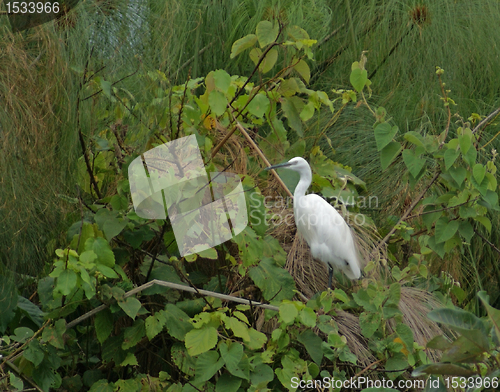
(327, 233)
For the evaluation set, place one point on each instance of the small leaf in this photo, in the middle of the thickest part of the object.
(267, 32)
(242, 44)
(103, 324)
(307, 113)
(458, 174)
(288, 312)
(358, 78)
(312, 343)
(207, 365)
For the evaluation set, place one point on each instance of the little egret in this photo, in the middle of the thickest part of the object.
(326, 232)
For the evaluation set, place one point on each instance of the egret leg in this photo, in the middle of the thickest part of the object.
(330, 276)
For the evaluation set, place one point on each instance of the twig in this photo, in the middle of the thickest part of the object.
(263, 157)
(407, 212)
(176, 287)
(486, 119)
(488, 242)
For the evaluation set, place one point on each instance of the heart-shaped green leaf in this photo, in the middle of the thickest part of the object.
(478, 171)
(413, 163)
(445, 229)
(389, 153)
(458, 174)
(384, 134)
(450, 156)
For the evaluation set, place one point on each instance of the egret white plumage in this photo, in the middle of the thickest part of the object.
(326, 232)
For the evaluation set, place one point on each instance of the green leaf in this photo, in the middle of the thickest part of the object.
(466, 230)
(242, 44)
(8, 301)
(257, 339)
(484, 221)
(228, 383)
(155, 323)
(275, 282)
(288, 312)
(101, 386)
(259, 105)
(267, 32)
(369, 323)
(102, 249)
(268, 62)
(261, 375)
(236, 361)
(107, 272)
(465, 143)
(450, 156)
(133, 334)
(103, 325)
(303, 70)
(53, 334)
(458, 174)
(217, 102)
(130, 306)
(444, 369)
(66, 281)
(207, 365)
(297, 33)
(389, 153)
(312, 343)
(308, 317)
(200, 340)
(222, 80)
(34, 352)
(106, 87)
(384, 134)
(292, 114)
(413, 163)
(177, 322)
(445, 229)
(358, 78)
(414, 138)
(439, 342)
(493, 313)
(307, 112)
(130, 360)
(406, 335)
(478, 172)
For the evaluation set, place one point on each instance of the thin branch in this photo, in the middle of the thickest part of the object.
(488, 242)
(486, 119)
(263, 157)
(176, 287)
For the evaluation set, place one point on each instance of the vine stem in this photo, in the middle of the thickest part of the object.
(175, 286)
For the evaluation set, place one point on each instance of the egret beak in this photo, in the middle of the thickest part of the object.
(279, 165)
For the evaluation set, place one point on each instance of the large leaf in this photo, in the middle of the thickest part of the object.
(200, 340)
(275, 282)
(66, 281)
(312, 343)
(177, 323)
(413, 163)
(467, 324)
(492, 312)
(259, 105)
(130, 306)
(236, 361)
(228, 383)
(358, 78)
(384, 134)
(293, 116)
(445, 229)
(103, 325)
(303, 70)
(242, 44)
(207, 365)
(389, 153)
(267, 32)
(217, 102)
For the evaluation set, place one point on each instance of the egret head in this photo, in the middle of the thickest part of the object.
(297, 164)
